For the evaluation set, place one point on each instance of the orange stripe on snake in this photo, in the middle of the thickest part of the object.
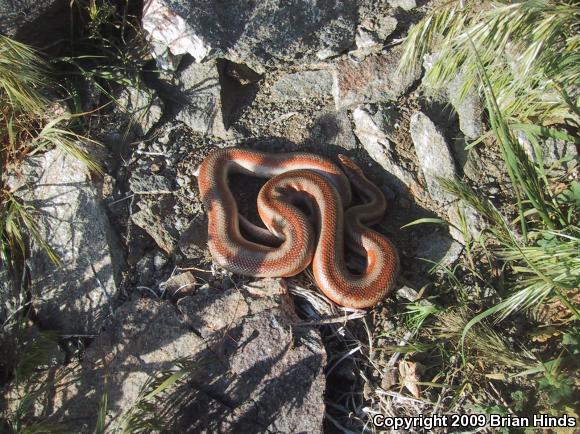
(291, 242)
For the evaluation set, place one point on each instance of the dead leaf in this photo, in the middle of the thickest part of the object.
(410, 377)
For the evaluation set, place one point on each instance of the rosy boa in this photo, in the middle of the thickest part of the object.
(290, 242)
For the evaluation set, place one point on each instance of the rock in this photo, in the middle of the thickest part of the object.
(370, 130)
(157, 222)
(143, 338)
(143, 107)
(258, 34)
(194, 239)
(160, 260)
(375, 79)
(468, 108)
(179, 285)
(469, 160)
(440, 249)
(77, 296)
(199, 99)
(169, 31)
(406, 5)
(474, 222)
(560, 152)
(557, 155)
(146, 270)
(408, 293)
(371, 34)
(433, 155)
(8, 296)
(302, 85)
(144, 182)
(251, 371)
(333, 129)
(273, 375)
(34, 21)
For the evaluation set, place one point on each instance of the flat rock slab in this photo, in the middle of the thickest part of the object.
(375, 79)
(251, 370)
(77, 295)
(274, 379)
(302, 85)
(259, 34)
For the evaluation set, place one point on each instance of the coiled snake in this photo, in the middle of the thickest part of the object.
(291, 242)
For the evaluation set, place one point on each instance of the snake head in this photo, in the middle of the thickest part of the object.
(349, 166)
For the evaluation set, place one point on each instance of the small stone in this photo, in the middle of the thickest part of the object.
(179, 285)
(159, 260)
(142, 182)
(390, 377)
(407, 293)
(474, 222)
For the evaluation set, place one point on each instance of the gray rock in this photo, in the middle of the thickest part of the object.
(144, 182)
(27, 19)
(193, 240)
(258, 34)
(8, 296)
(469, 160)
(370, 130)
(407, 293)
(333, 129)
(274, 373)
(557, 155)
(560, 153)
(143, 107)
(469, 108)
(440, 249)
(302, 85)
(433, 155)
(179, 285)
(371, 34)
(78, 295)
(403, 4)
(156, 220)
(250, 370)
(375, 79)
(200, 104)
(474, 221)
(143, 338)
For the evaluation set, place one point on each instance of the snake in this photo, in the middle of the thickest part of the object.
(306, 206)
